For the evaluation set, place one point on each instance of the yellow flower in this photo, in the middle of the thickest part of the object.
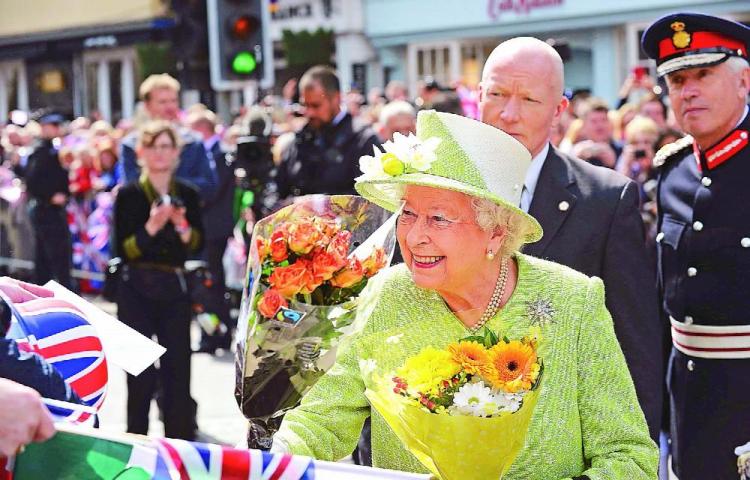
(514, 366)
(425, 371)
(472, 357)
(392, 165)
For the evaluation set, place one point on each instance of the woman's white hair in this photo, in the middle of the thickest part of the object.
(491, 216)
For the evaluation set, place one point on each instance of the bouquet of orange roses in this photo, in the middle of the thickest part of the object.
(463, 411)
(308, 263)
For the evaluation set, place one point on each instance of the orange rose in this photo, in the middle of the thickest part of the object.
(278, 249)
(270, 302)
(351, 275)
(324, 265)
(328, 227)
(339, 246)
(374, 262)
(303, 236)
(263, 248)
(292, 279)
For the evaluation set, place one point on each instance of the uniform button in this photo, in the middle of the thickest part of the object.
(563, 206)
(688, 320)
(706, 181)
(659, 237)
(692, 271)
(691, 365)
(697, 226)
(745, 242)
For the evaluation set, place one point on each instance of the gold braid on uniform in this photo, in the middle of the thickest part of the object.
(672, 149)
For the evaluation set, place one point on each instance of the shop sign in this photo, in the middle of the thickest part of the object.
(495, 8)
(303, 10)
(100, 41)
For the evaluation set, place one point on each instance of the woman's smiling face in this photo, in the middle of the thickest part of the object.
(440, 241)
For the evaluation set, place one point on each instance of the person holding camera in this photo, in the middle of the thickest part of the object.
(157, 225)
(324, 157)
(638, 153)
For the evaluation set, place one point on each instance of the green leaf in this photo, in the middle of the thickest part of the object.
(539, 378)
(473, 338)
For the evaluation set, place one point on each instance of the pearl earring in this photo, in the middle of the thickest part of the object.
(490, 255)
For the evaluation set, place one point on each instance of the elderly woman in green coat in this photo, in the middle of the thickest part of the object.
(460, 231)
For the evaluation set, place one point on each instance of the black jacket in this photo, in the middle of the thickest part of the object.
(704, 270)
(325, 161)
(33, 371)
(218, 219)
(132, 242)
(601, 233)
(44, 175)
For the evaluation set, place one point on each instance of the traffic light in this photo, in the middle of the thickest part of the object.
(239, 46)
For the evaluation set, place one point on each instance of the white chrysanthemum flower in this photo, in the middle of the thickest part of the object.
(508, 402)
(473, 399)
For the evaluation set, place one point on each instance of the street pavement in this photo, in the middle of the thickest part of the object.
(212, 387)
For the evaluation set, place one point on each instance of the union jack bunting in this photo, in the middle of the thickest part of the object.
(192, 460)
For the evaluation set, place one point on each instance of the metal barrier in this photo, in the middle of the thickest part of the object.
(29, 265)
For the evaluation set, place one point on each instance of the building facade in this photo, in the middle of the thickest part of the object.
(76, 56)
(354, 55)
(449, 40)
(82, 58)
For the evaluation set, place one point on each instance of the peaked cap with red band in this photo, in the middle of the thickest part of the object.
(686, 40)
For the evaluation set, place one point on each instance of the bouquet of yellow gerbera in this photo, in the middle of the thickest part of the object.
(463, 411)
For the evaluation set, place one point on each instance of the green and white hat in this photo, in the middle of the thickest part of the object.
(451, 152)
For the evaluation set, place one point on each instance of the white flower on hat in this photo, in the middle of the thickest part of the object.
(401, 155)
(412, 151)
(372, 166)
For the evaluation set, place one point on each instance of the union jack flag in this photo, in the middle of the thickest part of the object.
(60, 333)
(193, 460)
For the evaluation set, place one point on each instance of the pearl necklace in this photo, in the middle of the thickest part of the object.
(495, 299)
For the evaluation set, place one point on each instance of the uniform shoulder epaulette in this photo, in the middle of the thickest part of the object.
(672, 149)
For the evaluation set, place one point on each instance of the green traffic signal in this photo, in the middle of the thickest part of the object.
(244, 63)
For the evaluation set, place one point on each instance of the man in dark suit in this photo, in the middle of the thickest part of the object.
(48, 192)
(324, 157)
(589, 214)
(218, 222)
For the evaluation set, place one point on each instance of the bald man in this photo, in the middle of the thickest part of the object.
(590, 215)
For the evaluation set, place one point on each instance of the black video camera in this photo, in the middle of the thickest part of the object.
(253, 163)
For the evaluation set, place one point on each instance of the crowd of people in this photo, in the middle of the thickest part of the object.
(315, 133)
(98, 157)
(175, 174)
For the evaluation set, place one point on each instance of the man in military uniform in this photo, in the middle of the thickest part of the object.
(704, 239)
(324, 157)
(47, 188)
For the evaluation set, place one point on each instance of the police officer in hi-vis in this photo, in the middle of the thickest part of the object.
(704, 239)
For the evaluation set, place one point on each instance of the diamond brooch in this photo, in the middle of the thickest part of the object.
(540, 312)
